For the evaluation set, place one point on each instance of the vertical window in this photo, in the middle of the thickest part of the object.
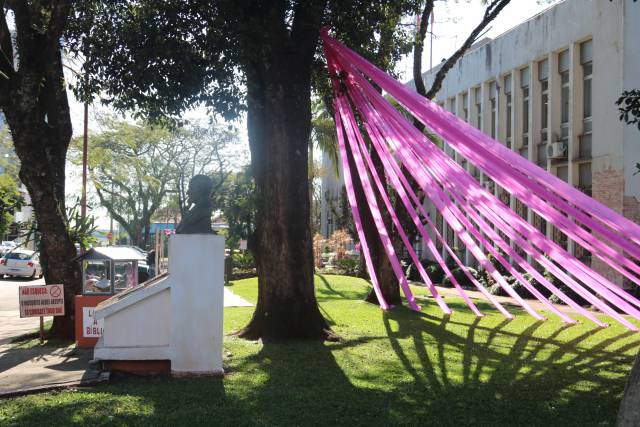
(507, 91)
(453, 106)
(586, 60)
(450, 236)
(563, 173)
(565, 93)
(584, 177)
(584, 142)
(543, 73)
(465, 106)
(439, 225)
(492, 100)
(525, 77)
(478, 104)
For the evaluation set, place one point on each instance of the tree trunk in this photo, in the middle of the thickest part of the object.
(37, 113)
(279, 125)
(629, 413)
(383, 269)
(44, 177)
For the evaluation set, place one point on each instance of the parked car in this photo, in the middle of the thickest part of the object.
(145, 272)
(21, 262)
(7, 245)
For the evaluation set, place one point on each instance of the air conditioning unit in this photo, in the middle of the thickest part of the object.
(557, 150)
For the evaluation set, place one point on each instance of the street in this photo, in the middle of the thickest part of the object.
(11, 325)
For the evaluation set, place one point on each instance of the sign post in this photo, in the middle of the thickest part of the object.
(40, 301)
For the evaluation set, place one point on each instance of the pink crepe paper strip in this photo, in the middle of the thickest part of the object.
(515, 176)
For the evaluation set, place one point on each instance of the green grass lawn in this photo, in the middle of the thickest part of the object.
(398, 367)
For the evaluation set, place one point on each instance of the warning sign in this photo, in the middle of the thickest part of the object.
(91, 328)
(36, 301)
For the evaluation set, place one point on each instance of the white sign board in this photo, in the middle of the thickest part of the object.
(91, 328)
(37, 301)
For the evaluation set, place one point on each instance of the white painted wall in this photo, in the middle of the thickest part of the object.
(148, 330)
(571, 21)
(177, 318)
(631, 76)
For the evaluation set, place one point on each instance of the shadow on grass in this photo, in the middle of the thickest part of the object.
(403, 368)
(326, 291)
(262, 389)
(529, 376)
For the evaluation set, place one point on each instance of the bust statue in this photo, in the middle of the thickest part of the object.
(197, 220)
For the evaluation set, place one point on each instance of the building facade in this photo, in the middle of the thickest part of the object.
(547, 90)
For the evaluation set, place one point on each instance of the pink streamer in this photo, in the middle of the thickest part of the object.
(437, 152)
(600, 284)
(490, 157)
(427, 111)
(351, 129)
(355, 211)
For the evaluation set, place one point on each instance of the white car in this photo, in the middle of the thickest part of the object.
(7, 245)
(21, 262)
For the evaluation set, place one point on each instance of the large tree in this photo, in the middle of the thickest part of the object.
(159, 58)
(34, 101)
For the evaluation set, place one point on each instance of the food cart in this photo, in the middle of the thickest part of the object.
(106, 271)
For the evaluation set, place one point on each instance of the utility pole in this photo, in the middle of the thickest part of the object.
(85, 142)
(431, 41)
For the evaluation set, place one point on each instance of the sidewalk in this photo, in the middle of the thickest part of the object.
(24, 371)
(233, 300)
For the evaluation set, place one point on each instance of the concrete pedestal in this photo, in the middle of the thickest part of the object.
(176, 317)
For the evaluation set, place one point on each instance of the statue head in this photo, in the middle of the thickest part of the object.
(199, 189)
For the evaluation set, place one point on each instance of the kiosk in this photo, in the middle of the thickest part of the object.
(106, 271)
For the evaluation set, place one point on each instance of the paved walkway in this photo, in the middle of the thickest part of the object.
(43, 368)
(11, 325)
(233, 300)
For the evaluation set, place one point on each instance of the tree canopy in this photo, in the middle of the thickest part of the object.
(159, 58)
(135, 166)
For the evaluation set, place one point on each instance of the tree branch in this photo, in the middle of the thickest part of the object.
(491, 12)
(110, 208)
(6, 47)
(419, 48)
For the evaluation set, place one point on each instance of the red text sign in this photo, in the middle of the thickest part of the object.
(36, 301)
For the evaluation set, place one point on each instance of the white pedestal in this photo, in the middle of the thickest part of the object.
(178, 317)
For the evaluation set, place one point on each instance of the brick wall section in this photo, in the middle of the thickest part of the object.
(631, 211)
(608, 189)
(632, 208)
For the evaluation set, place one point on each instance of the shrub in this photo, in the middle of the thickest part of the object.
(496, 289)
(434, 271)
(497, 264)
(348, 266)
(570, 293)
(243, 260)
(461, 278)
